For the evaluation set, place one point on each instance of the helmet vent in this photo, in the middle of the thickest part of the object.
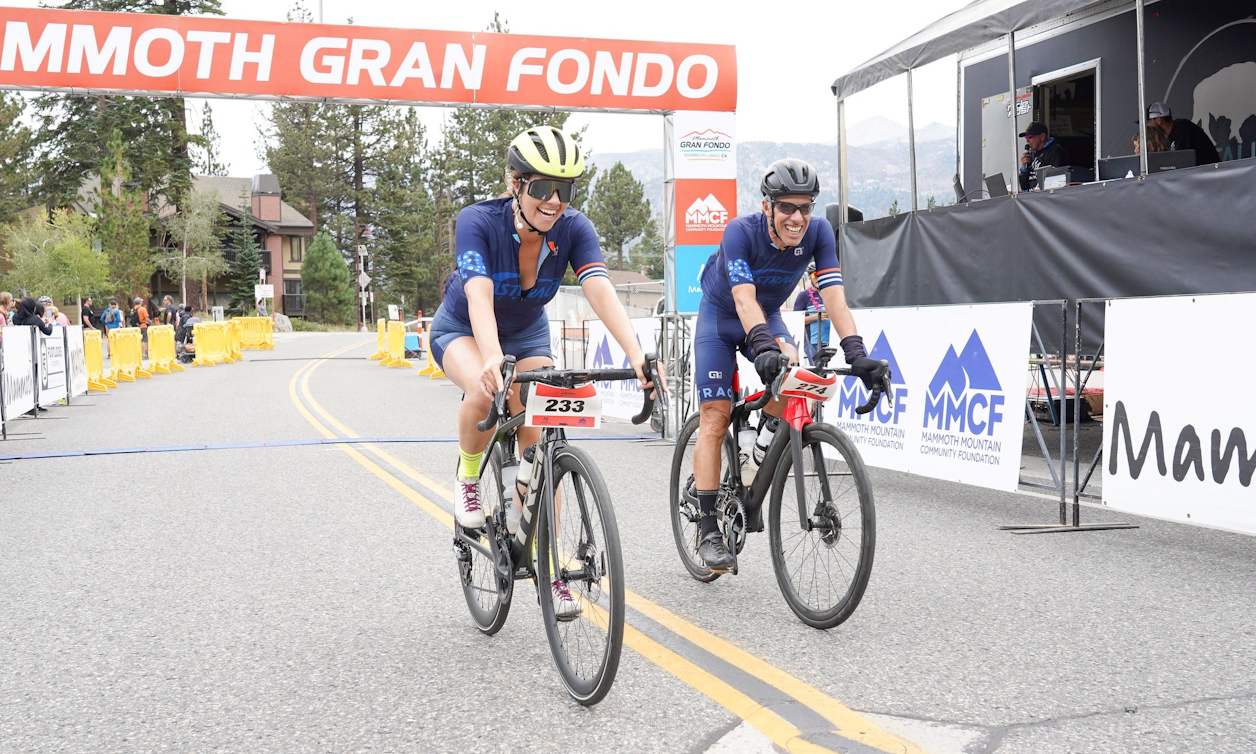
(540, 145)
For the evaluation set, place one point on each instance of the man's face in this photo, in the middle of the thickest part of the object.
(1035, 141)
(788, 217)
(1164, 124)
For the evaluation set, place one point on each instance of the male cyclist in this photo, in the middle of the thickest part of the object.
(512, 253)
(759, 262)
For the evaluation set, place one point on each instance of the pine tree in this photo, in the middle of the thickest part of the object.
(648, 255)
(196, 231)
(123, 224)
(16, 145)
(328, 286)
(618, 209)
(208, 145)
(244, 260)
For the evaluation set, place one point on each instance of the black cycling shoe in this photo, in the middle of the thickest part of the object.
(716, 556)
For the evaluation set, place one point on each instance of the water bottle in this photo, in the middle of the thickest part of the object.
(745, 455)
(765, 439)
(509, 473)
(523, 478)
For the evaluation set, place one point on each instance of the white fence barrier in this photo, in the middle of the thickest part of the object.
(19, 370)
(51, 367)
(1180, 443)
(76, 360)
(958, 392)
(620, 400)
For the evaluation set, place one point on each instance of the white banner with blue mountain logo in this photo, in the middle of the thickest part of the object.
(621, 399)
(958, 392)
(1175, 446)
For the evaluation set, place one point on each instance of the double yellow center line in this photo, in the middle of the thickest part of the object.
(854, 732)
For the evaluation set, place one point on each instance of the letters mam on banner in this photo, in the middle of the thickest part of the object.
(1181, 446)
(19, 374)
(620, 399)
(958, 387)
(153, 53)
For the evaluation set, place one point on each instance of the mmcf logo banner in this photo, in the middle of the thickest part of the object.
(1180, 443)
(153, 53)
(621, 399)
(958, 386)
(704, 145)
(703, 210)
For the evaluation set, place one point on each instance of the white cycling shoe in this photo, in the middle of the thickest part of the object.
(566, 607)
(468, 511)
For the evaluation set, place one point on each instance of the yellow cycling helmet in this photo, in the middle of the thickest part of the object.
(547, 151)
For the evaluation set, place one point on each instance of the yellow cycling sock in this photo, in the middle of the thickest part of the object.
(469, 464)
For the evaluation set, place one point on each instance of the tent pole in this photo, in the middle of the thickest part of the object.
(842, 198)
(669, 214)
(959, 116)
(1011, 85)
(1142, 91)
(911, 143)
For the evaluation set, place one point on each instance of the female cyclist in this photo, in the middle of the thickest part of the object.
(512, 254)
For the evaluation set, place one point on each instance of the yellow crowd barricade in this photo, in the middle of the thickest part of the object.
(396, 346)
(381, 342)
(235, 340)
(161, 358)
(431, 370)
(94, 355)
(211, 344)
(256, 333)
(126, 354)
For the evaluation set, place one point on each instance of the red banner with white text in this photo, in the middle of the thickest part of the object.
(140, 53)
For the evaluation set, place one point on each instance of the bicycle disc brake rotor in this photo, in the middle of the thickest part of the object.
(832, 533)
(689, 500)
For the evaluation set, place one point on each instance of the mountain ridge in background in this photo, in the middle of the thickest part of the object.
(878, 172)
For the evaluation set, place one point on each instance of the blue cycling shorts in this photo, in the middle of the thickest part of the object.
(715, 344)
(532, 340)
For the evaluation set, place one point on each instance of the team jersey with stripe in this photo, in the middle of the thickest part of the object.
(486, 245)
(747, 255)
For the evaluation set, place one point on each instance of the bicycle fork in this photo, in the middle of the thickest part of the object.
(797, 416)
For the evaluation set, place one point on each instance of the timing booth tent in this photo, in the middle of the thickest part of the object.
(1088, 69)
(694, 86)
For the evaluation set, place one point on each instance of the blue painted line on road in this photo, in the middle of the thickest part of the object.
(268, 444)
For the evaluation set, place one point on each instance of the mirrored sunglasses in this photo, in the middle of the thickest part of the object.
(544, 188)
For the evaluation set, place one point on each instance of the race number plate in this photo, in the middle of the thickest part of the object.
(801, 383)
(550, 406)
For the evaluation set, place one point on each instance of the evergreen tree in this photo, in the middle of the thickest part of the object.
(893, 209)
(404, 260)
(619, 210)
(244, 260)
(648, 255)
(328, 286)
(16, 144)
(75, 129)
(123, 224)
(208, 145)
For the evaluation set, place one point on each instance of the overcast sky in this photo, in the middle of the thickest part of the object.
(788, 53)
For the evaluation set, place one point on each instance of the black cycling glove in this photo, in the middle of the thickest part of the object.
(766, 351)
(857, 359)
(768, 365)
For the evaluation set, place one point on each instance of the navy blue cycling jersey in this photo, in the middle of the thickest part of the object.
(486, 245)
(747, 255)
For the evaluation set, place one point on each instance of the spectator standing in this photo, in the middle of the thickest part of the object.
(168, 312)
(29, 312)
(817, 321)
(1155, 141)
(87, 315)
(6, 307)
(56, 316)
(1182, 134)
(139, 318)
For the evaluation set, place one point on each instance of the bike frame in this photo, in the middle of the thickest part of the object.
(797, 414)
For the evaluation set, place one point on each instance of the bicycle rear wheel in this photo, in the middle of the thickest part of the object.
(684, 498)
(586, 648)
(487, 592)
(823, 572)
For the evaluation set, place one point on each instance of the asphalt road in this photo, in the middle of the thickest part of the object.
(292, 599)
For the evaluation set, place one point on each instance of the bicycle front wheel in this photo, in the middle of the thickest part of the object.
(586, 646)
(487, 592)
(823, 569)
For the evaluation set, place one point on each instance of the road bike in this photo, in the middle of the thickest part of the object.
(566, 530)
(822, 522)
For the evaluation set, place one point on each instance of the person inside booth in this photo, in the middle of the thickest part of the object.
(1181, 134)
(1041, 151)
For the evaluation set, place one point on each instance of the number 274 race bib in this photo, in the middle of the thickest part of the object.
(550, 406)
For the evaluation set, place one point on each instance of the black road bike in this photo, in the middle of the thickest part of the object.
(566, 532)
(822, 522)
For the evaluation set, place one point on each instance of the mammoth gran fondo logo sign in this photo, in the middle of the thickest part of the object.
(957, 392)
(1174, 445)
(84, 51)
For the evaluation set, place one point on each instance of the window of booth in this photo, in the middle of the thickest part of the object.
(1067, 100)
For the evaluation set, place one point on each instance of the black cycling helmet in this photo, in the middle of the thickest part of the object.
(790, 176)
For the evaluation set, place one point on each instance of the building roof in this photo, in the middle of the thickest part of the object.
(237, 193)
(627, 277)
(975, 24)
